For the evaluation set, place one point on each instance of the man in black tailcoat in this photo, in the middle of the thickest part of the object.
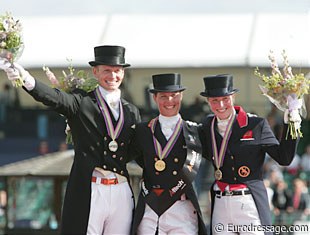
(98, 199)
(169, 151)
(237, 143)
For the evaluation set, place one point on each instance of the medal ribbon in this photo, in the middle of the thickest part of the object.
(219, 157)
(113, 133)
(173, 138)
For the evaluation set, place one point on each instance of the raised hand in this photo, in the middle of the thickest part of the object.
(4, 64)
(17, 74)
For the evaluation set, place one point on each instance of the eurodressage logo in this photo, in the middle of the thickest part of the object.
(181, 184)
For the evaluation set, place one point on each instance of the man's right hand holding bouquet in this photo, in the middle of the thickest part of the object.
(17, 73)
(286, 92)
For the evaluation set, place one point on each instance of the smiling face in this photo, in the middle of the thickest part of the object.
(169, 103)
(222, 107)
(109, 77)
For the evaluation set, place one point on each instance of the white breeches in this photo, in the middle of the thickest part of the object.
(111, 209)
(180, 218)
(235, 214)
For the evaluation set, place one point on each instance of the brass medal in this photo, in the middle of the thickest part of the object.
(160, 165)
(218, 174)
(113, 146)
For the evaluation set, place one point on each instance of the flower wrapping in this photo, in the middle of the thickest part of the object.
(286, 90)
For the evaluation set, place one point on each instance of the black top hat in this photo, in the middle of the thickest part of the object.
(218, 85)
(168, 82)
(109, 55)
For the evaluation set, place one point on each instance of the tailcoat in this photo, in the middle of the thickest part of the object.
(91, 141)
(143, 150)
(251, 139)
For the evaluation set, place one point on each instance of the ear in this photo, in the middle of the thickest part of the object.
(233, 97)
(154, 97)
(95, 71)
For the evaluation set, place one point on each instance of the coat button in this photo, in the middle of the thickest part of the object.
(105, 138)
(174, 172)
(176, 160)
(122, 144)
(235, 178)
(122, 172)
(232, 157)
(233, 168)
(104, 167)
(114, 169)
(104, 152)
(121, 158)
(114, 156)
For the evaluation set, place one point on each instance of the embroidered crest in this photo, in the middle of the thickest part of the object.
(247, 136)
(244, 171)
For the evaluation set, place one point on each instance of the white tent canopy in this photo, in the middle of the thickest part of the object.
(161, 33)
(206, 40)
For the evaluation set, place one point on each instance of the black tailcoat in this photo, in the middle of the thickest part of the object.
(91, 141)
(143, 150)
(249, 152)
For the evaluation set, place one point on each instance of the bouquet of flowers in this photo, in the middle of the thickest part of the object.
(68, 82)
(286, 90)
(11, 43)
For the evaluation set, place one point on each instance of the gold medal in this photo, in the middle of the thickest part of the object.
(113, 146)
(160, 165)
(218, 174)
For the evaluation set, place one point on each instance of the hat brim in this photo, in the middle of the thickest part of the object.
(95, 63)
(205, 94)
(167, 90)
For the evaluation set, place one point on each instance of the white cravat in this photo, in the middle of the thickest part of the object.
(222, 124)
(168, 124)
(113, 99)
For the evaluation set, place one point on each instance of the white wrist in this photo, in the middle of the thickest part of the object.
(29, 81)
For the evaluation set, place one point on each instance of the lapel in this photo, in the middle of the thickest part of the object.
(238, 129)
(160, 135)
(240, 125)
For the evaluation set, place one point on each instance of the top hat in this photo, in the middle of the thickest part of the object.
(168, 82)
(218, 85)
(109, 55)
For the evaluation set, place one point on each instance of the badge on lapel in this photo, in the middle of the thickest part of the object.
(247, 136)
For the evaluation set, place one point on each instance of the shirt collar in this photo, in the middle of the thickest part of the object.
(110, 96)
(168, 121)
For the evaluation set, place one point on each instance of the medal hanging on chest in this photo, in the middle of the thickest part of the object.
(160, 164)
(113, 133)
(219, 156)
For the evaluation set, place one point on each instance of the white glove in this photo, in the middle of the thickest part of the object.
(17, 72)
(292, 113)
(4, 64)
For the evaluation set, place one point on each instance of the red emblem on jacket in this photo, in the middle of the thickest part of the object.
(248, 135)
